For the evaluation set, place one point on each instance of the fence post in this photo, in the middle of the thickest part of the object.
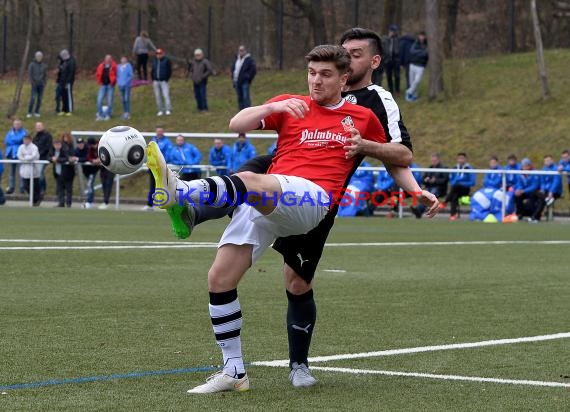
(117, 191)
(504, 202)
(32, 184)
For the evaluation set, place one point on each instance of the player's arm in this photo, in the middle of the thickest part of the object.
(250, 118)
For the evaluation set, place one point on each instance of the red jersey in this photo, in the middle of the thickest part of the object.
(313, 147)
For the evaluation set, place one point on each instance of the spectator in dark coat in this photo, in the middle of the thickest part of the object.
(199, 70)
(405, 46)
(418, 63)
(160, 74)
(44, 141)
(391, 59)
(37, 71)
(434, 182)
(63, 169)
(64, 86)
(243, 72)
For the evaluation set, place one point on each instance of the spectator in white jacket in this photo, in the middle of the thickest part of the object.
(29, 152)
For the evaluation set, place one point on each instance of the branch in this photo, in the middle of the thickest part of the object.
(270, 7)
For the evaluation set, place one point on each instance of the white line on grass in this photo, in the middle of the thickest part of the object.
(444, 377)
(127, 244)
(420, 349)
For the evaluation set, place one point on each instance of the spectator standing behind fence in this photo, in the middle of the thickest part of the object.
(564, 166)
(106, 76)
(512, 164)
(405, 46)
(272, 148)
(199, 70)
(242, 151)
(124, 80)
(243, 72)
(184, 153)
(88, 157)
(107, 179)
(12, 141)
(461, 184)
(165, 146)
(160, 73)
(64, 169)
(37, 70)
(44, 141)
(527, 194)
(493, 180)
(141, 47)
(220, 156)
(2, 198)
(418, 63)
(550, 185)
(434, 182)
(65, 81)
(391, 59)
(29, 152)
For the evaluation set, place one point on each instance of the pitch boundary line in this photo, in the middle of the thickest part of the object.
(421, 349)
(525, 382)
(134, 244)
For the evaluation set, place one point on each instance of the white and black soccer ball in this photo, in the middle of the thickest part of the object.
(122, 150)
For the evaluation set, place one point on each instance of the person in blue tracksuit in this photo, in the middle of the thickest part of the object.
(512, 164)
(272, 148)
(185, 154)
(527, 199)
(361, 181)
(493, 180)
(12, 141)
(550, 185)
(460, 183)
(220, 156)
(564, 165)
(2, 198)
(242, 151)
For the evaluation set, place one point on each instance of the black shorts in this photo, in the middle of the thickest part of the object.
(301, 252)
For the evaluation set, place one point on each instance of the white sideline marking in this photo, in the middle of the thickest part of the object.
(444, 377)
(140, 244)
(421, 349)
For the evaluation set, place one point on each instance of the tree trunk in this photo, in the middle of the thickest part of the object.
(389, 15)
(21, 73)
(512, 27)
(435, 50)
(539, 50)
(124, 26)
(452, 9)
(313, 10)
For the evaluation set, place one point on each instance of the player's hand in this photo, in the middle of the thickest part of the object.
(295, 107)
(429, 200)
(355, 144)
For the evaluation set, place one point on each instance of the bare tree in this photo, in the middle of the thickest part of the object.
(435, 50)
(452, 9)
(21, 73)
(313, 11)
(539, 50)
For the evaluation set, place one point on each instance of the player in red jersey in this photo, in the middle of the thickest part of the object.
(292, 199)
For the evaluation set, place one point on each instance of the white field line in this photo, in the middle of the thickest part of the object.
(444, 377)
(122, 245)
(420, 349)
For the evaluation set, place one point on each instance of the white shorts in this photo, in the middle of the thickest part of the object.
(301, 207)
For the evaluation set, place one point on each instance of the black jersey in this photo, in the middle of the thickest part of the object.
(382, 103)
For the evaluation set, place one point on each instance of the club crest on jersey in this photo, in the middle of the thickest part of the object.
(350, 98)
(347, 123)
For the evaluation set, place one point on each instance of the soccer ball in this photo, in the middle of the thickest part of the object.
(121, 150)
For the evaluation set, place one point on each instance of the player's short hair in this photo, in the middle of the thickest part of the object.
(565, 151)
(358, 33)
(330, 53)
(548, 155)
(512, 157)
(495, 158)
(462, 154)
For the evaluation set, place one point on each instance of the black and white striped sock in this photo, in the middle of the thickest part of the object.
(217, 191)
(225, 312)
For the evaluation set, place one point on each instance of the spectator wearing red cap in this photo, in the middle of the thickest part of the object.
(160, 74)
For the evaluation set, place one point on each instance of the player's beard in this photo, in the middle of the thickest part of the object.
(354, 78)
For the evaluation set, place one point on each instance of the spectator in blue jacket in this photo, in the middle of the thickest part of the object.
(164, 144)
(418, 63)
(12, 141)
(272, 148)
(124, 79)
(493, 180)
(550, 185)
(384, 187)
(512, 164)
(185, 154)
(460, 183)
(2, 198)
(220, 156)
(405, 46)
(527, 194)
(361, 181)
(242, 151)
(564, 165)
